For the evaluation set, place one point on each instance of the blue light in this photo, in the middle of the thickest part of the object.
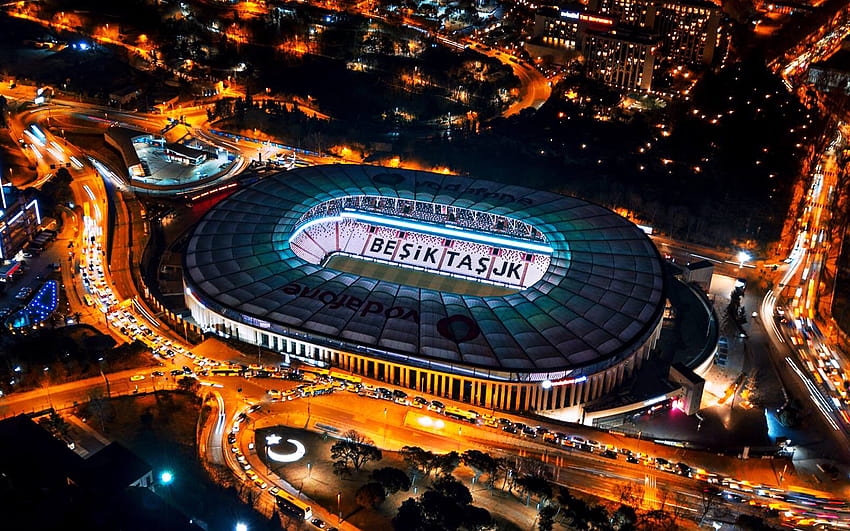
(83, 46)
(166, 477)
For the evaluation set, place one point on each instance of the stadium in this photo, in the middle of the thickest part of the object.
(495, 295)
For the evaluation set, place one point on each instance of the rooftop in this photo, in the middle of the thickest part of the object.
(599, 299)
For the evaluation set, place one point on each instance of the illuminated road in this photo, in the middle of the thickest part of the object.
(534, 89)
(789, 311)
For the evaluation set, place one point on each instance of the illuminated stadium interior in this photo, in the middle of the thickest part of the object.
(466, 252)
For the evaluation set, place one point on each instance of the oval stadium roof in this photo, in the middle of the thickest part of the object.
(599, 300)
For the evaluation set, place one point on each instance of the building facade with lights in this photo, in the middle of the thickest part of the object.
(690, 30)
(565, 27)
(494, 295)
(622, 58)
(20, 219)
(635, 13)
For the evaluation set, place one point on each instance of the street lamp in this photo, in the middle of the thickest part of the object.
(338, 506)
(743, 256)
(166, 477)
(241, 527)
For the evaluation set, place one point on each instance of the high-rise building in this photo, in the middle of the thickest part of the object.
(690, 30)
(637, 13)
(622, 57)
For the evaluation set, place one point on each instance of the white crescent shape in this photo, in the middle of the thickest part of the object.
(287, 458)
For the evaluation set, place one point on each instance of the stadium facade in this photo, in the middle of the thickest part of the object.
(499, 296)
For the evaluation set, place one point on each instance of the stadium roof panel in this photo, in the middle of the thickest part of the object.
(600, 298)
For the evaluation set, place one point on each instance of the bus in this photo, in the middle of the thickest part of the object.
(289, 504)
(347, 379)
(315, 372)
(317, 389)
(461, 414)
(226, 371)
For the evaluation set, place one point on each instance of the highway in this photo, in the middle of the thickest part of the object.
(815, 368)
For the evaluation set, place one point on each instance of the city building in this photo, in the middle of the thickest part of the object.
(832, 74)
(622, 57)
(690, 30)
(183, 154)
(495, 295)
(46, 485)
(636, 13)
(699, 273)
(20, 219)
(564, 28)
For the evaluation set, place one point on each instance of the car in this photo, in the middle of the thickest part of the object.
(176, 372)
(332, 529)
(4, 311)
(633, 460)
(608, 454)
(157, 373)
(137, 377)
(505, 422)
(187, 370)
(23, 293)
(509, 429)
(436, 405)
(318, 523)
(260, 483)
(251, 474)
(530, 431)
(419, 402)
(274, 490)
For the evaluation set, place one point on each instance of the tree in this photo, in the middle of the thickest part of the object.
(546, 518)
(418, 458)
(188, 385)
(370, 495)
(342, 469)
(97, 406)
(477, 518)
(709, 496)
(274, 521)
(536, 486)
(392, 479)
(453, 489)
(629, 494)
(447, 463)
(445, 506)
(54, 423)
(624, 518)
(480, 462)
(748, 522)
(355, 449)
(409, 516)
